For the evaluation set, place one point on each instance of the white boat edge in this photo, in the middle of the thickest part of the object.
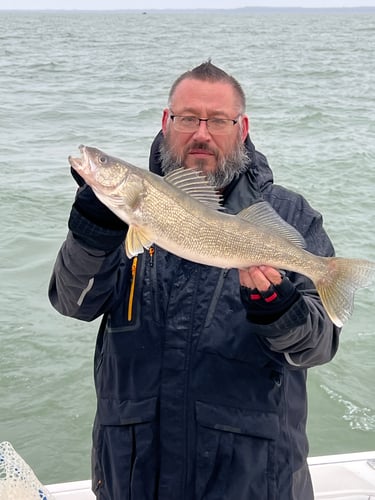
(349, 476)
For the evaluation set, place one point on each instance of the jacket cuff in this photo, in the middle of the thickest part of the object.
(294, 317)
(92, 235)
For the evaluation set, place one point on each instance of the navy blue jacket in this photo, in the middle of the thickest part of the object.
(194, 401)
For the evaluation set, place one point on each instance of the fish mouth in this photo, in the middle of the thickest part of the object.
(83, 164)
(78, 163)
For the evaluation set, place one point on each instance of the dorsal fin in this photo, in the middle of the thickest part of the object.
(261, 214)
(195, 184)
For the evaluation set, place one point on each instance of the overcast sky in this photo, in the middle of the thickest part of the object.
(181, 4)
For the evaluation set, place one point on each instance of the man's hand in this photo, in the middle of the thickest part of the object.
(266, 294)
(260, 278)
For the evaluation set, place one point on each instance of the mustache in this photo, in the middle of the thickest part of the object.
(202, 146)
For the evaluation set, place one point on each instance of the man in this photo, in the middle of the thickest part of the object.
(200, 372)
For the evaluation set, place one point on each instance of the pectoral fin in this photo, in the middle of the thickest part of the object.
(261, 214)
(136, 241)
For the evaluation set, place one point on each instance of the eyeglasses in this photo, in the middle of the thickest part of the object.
(191, 124)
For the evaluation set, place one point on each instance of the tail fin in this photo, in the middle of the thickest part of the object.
(337, 288)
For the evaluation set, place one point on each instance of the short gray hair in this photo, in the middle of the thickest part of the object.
(211, 73)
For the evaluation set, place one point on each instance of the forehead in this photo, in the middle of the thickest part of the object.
(198, 95)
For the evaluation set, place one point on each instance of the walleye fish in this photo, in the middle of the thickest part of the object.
(181, 213)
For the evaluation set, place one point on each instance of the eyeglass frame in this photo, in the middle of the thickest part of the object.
(207, 120)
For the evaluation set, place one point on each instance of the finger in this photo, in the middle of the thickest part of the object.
(246, 279)
(262, 276)
(272, 274)
(250, 277)
(256, 279)
(261, 282)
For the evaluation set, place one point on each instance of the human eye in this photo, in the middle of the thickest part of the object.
(188, 120)
(218, 123)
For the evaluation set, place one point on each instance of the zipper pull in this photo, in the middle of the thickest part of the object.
(151, 251)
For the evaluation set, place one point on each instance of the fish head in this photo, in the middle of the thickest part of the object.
(99, 170)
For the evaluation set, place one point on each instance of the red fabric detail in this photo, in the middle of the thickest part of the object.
(271, 298)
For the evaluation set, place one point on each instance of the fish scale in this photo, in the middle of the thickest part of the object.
(196, 234)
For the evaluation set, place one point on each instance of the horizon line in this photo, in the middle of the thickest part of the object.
(145, 10)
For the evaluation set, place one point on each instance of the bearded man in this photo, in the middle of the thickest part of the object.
(200, 372)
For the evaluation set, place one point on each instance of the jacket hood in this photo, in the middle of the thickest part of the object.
(259, 169)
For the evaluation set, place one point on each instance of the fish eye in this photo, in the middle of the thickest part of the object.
(103, 159)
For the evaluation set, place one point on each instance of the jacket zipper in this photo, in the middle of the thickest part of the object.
(187, 408)
(132, 289)
(154, 284)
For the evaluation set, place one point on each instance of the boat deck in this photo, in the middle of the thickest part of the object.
(335, 477)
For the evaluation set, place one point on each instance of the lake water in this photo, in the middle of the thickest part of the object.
(102, 79)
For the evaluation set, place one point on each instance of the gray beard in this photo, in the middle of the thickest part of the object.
(227, 168)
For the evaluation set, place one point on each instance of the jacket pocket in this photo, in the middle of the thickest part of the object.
(143, 289)
(126, 313)
(235, 453)
(125, 465)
